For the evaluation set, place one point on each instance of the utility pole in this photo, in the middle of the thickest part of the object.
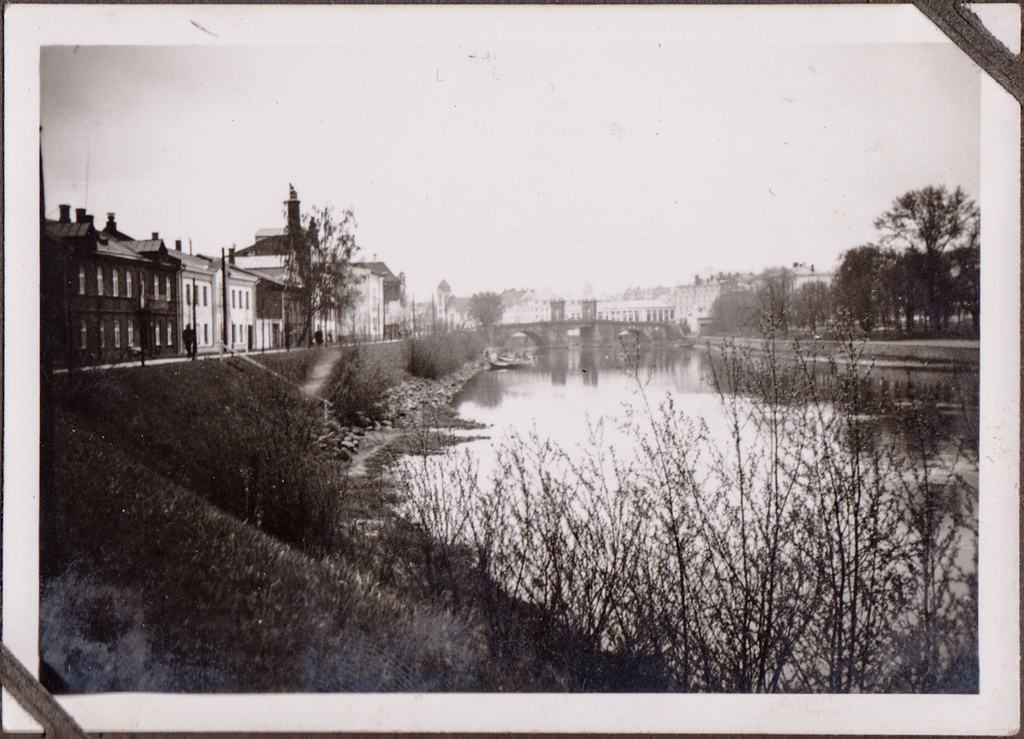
(224, 297)
(195, 330)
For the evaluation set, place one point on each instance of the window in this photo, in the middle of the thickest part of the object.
(206, 329)
(188, 294)
(156, 286)
(103, 335)
(167, 287)
(83, 334)
(128, 284)
(246, 300)
(204, 294)
(81, 279)
(170, 333)
(115, 280)
(117, 333)
(232, 327)
(232, 298)
(99, 280)
(131, 332)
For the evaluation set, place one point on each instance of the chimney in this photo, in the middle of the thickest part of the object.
(812, 268)
(231, 255)
(111, 223)
(88, 219)
(177, 245)
(80, 215)
(156, 236)
(65, 214)
(294, 225)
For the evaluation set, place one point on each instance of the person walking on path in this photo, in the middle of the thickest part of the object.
(189, 337)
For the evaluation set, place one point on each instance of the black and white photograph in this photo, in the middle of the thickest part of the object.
(532, 368)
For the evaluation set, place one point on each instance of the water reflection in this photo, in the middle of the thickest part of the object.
(594, 382)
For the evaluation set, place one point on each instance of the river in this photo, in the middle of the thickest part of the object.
(570, 389)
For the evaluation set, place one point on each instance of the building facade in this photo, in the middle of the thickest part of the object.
(120, 298)
(693, 303)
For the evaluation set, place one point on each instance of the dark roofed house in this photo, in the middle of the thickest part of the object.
(118, 301)
(111, 232)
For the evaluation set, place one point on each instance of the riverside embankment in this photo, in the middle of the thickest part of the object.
(196, 536)
(922, 352)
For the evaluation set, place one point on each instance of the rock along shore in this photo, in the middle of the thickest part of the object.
(415, 403)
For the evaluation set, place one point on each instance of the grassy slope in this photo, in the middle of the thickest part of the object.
(161, 589)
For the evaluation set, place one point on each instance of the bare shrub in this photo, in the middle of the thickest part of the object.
(433, 357)
(358, 385)
(811, 550)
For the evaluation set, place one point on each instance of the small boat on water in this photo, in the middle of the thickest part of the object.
(510, 360)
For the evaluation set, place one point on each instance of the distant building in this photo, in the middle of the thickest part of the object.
(637, 310)
(801, 275)
(694, 302)
(524, 306)
(385, 299)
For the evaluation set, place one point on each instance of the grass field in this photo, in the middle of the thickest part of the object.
(202, 541)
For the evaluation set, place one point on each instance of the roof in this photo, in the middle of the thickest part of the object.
(194, 262)
(512, 297)
(381, 270)
(117, 249)
(444, 287)
(234, 271)
(264, 275)
(113, 233)
(280, 244)
(459, 304)
(146, 246)
(61, 230)
(265, 232)
(268, 261)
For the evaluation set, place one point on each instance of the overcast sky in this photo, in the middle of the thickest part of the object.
(569, 166)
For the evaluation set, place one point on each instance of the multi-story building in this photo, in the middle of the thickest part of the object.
(199, 288)
(695, 301)
(647, 310)
(379, 311)
(364, 321)
(801, 275)
(120, 297)
(524, 306)
(238, 298)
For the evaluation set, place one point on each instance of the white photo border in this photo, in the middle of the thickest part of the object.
(995, 710)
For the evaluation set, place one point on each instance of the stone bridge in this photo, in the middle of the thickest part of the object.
(589, 332)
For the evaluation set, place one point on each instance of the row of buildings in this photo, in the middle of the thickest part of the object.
(108, 297)
(688, 305)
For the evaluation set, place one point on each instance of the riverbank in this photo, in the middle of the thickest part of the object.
(914, 353)
(200, 531)
(414, 405)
